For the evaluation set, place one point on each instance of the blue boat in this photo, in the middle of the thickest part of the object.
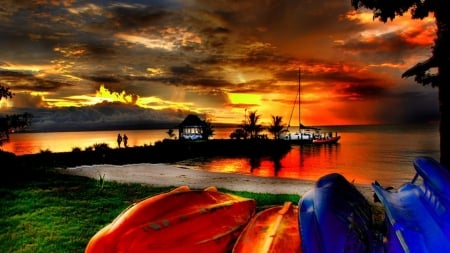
(335, 217)
(418, 213)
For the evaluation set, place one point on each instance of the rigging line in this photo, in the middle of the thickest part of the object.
(295, 101)
(292, 111)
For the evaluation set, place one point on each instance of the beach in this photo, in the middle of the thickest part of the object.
(175, 175)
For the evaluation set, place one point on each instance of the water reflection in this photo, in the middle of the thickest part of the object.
(364, 154)
(305, 162)
(273, 162)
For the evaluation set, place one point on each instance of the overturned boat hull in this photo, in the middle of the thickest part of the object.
(274, 229)
(335, 217)
(182, 220)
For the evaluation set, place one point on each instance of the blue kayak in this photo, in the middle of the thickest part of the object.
(335, 217)
(418, 213)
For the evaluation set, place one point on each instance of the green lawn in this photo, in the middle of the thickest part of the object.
(50, 212)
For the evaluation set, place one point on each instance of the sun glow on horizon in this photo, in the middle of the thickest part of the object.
(244, 99)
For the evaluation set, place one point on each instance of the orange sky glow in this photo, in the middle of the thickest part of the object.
(157, 61)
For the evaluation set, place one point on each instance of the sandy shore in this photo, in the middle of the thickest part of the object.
(172, 175)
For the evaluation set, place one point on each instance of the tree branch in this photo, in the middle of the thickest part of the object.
(420, 67)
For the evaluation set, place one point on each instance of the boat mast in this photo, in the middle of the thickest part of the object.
(299, 122)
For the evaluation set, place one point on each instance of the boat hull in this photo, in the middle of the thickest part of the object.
(182, 220)
(335, 217)
(328, 140)
(272, 230)
(297, 138)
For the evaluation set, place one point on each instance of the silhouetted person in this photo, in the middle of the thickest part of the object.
(119, 140)
(125, 140)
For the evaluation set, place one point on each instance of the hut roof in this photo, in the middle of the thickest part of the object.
(192, 120)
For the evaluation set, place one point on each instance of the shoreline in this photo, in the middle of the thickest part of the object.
(160, 174)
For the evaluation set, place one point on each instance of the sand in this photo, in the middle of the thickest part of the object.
(174, 175)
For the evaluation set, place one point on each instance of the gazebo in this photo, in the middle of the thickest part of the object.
(192, 128)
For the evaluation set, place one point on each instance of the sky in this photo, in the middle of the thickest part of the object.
(92, 64)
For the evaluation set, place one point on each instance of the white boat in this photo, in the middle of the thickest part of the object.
(307, 135)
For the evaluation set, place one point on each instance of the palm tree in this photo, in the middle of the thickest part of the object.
(277, 127)
(208, 129)
(440, 58)
(13, 122)
(252, 127)
(5, 92)
(171, 133)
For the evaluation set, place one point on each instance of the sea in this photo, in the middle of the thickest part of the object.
(364, 154)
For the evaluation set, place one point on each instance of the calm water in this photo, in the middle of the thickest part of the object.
(364, 154)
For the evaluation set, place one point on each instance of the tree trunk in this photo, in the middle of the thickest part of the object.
(444, 107)
(441, 52)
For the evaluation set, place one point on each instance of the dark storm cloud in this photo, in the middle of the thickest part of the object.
(348, 77)
(277, 16)
(346, 85)
(100, 50)
(184, 71)
(216, 30)
(195, 77)
(351, 86)
(126, 17)
(20, 48)
(19, 81)
(389, 47)
(361, 91)
(24, 100)
(101, 116)
(409, 107)
(104, 79)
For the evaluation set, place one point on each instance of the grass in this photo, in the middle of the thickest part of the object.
(51, 212)
(266, 199)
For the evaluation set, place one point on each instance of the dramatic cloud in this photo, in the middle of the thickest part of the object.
(117, 63)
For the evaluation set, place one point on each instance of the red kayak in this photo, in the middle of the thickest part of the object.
(272, 230)
(181, 220)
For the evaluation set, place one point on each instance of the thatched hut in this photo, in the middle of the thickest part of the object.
(192, 128)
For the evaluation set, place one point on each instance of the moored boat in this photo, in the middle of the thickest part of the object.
(304, 134)
(182, 220)
(274, 229)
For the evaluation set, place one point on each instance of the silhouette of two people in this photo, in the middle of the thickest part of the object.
(124, 139)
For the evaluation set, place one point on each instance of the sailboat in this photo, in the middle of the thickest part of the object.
(307, 135)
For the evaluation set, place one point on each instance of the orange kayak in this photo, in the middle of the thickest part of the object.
(181, 220)
(272, 230)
